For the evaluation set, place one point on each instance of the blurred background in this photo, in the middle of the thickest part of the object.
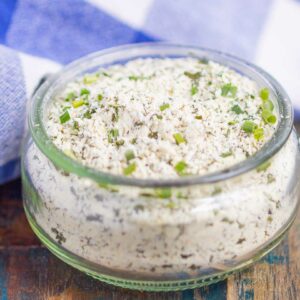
(39, 36)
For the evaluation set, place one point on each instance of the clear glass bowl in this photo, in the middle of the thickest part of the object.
(160, 234)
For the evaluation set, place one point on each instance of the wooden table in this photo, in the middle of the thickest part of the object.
(29, 272)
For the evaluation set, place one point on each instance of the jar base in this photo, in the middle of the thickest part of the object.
(145, 285)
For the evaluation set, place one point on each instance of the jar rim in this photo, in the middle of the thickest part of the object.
(132, 51)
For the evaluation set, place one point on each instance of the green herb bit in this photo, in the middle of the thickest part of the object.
(217, 190)
(65, 117)
(138, 123)
(90, 79)
(133, 77)
(264, 166)
(203, 61)
(163, 193)
(108, 187)
(113, 134)
(199, 117)
(146, 194)
(84, 92)
(226, 154)
(153, 135)
(159, 117)
(227, 220)
(193, 76)
(228, 90)
(180, 168)
(179, 139)
(129, 155)
(120, 143)
(236, 108)
(264, 94)
(114, 117)
(100, 97)
(270, 178)
(258, 133)
(129, 169)
(70, 96)
(249, 126)
(171, 205)
(133, 141)
(268, 117)
(164, 106)
(252, 96)
(180, 195)
(194, 90)
(77, 103)
(268, 105)
(232, 122)
(88, 113)
(76, 125)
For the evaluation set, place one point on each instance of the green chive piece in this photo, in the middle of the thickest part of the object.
(159, 117)
(164, 106)
(264, 166)
(268, 117)
(179, 138)
(129, 169)
(129, 155)
(249, 126)
(192, 76)
(180, 167)
(77, 103)
(228, 90)
(113, 134)
(232, 122)
(65, 117)
(236, 108)
(90, 79)
(198, 117)
(70, 96)
(264, 94)
(164, 193)
(258, 133)
(194, 90)
(84, 92)
(268, 105)
(226, 154)
(99, 97)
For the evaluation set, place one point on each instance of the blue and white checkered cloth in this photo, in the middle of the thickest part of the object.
(38, 36)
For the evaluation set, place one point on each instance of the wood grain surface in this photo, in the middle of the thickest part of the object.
(29, 272)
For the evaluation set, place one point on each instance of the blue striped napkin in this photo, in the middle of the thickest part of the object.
(38, 36)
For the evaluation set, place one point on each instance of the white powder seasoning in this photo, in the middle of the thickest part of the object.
(163, 111)
(162, 119)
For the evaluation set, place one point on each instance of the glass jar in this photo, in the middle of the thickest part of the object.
(160, 234)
